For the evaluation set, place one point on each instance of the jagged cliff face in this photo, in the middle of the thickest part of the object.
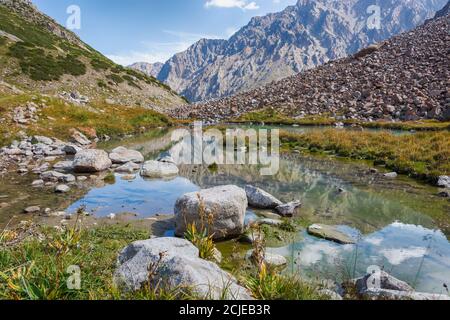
(282, 44)
(151, 69)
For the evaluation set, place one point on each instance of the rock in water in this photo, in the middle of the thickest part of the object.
(270, 259)
(330, 233)
(129, 167)
(62, 188)
(87, 161)
(123, 155)
(178, 265)
(156, 170)
(288, 209)
(391, 288)
(259, 198)
(386, 282)
(444, 181)
(226, 206)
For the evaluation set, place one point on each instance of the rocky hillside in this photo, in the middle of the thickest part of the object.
(151, 69)
(404, 78)
(282, 44)
(39, 55)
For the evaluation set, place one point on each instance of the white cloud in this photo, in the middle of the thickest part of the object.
(241, 4)
(398, 256)
(159, 51)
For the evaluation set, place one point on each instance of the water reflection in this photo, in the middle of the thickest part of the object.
(412, 253)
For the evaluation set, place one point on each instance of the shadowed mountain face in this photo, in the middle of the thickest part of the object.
(278, 45)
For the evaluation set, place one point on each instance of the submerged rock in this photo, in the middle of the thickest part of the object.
(221, 209)
(87, 161)
(54, 176)
(330, 233)
(270, 259)
(157, 170)
(129, 167)
(270, 222)
(259, 198)
(122, 155)
(288, 209)
(177, 264)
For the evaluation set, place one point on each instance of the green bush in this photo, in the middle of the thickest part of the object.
(115, 78)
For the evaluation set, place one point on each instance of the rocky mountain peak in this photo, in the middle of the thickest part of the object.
(404, 78)
(303, 36)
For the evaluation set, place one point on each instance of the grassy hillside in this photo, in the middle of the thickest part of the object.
(57, 117)
(34, 59)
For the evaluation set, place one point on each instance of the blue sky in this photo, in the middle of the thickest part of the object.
(129, 31)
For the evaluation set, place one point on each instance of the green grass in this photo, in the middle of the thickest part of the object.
(272, 117)
(59, 117)
(424, 155)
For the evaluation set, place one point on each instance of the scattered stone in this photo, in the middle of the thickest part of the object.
(250, 237)
(71, 149)
(128, 177)
(81, 178)
(330, 233)
(259, 198)
(334, 296)
(37, 183)
(157, 170)
(391, 175)
(180, 266)
(391, 288)
(444, 194)
(54, 176)
(225, 206)
(91, 160)
(33, 209)
(270, 222)
(79, 138)
(123, 155)
(288, 209)
(62, 188)
(270, 259)
(63, 166)
(444, 182)
(129, 167)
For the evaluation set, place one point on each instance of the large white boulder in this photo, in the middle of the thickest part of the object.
(157, 170)
(123, 155)
(91, 160)
(221, 209)
(175, 264)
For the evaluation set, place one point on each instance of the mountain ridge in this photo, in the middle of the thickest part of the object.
(404, 78)
(281, 44)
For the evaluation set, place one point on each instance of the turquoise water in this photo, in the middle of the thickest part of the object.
(396, 221)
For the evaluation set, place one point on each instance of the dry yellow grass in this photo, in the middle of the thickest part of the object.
(425, 155)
